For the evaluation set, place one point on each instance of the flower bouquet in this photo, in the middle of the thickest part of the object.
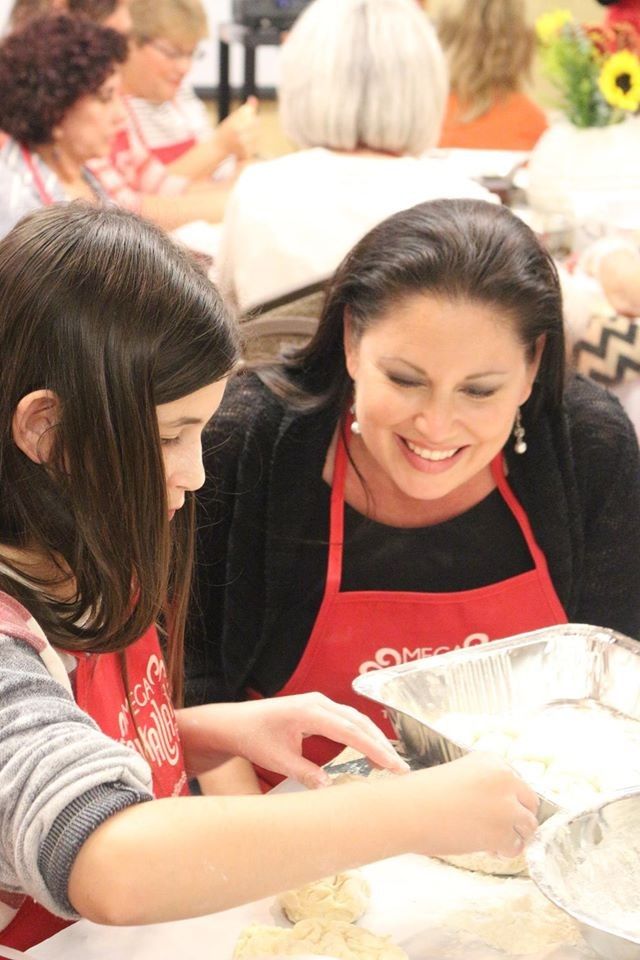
(596, 69)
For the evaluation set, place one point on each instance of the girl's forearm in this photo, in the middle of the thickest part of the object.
(177, 858)
(204, 736)
(232, 778)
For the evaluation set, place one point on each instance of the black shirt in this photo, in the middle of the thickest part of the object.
(482, 546)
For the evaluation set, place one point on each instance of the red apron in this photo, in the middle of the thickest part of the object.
(43, 193)
(39, 183)
(167, 154)
(145, 714)
(365, 630)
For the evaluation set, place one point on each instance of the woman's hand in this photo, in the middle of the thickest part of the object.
(483, 805)
(237, 135)
(270, 733)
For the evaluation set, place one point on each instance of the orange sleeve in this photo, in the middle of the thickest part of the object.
(513, 123)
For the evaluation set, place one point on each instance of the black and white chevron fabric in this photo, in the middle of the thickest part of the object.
(609, 351)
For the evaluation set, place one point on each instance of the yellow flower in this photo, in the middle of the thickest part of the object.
(619, 80)
(549, 25)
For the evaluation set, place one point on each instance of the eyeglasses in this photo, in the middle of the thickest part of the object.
(172, 53)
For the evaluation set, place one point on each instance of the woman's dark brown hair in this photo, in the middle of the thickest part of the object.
(97, 10)
(466, 250)
(104, 310)
(47, 66)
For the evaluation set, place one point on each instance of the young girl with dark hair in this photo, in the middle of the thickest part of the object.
(115, 350)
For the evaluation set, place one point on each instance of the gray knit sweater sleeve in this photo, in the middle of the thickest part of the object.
(60, 778)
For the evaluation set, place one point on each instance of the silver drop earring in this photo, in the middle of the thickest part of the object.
(520, 445)
(355, 426)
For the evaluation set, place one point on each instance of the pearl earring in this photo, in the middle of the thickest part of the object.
(518, 431)
(355, 426)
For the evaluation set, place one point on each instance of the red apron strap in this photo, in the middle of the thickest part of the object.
(499, 475)
(44, 194)
(336, 522)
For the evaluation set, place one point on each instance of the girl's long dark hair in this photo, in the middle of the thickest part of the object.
(467, 250)
(105, 311)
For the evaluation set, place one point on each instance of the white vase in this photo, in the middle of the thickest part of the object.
(591, 173)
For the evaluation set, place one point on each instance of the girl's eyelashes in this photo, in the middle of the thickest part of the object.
(167, 441)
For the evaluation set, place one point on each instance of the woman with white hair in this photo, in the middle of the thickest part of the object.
(363, 91)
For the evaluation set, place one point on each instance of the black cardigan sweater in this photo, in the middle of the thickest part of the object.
(579, 483)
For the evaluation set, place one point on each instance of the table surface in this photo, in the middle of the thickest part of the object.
(415, 900)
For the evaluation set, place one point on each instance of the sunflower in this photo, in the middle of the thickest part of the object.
(619, 81)
(549, 25)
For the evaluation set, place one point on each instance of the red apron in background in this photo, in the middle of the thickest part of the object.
(39, 184)
(167, 154)
(143, 713)
(365, 630)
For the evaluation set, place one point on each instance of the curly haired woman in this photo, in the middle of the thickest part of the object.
(490, 49)
(60, 106)
(110, 13)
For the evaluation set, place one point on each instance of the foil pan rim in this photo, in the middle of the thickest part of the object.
(537, 852)
(491, 649)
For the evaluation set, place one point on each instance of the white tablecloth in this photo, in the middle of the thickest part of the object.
(412, 897)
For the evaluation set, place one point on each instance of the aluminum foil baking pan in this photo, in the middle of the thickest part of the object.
(588, 864)
(510, 677)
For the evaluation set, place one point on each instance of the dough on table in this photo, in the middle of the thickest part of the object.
(344, 896)
(323, 938)
(488, 863)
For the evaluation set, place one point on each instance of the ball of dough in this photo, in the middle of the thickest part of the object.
(323, 938)
(261, 941)
(342, 897)
(488, 863)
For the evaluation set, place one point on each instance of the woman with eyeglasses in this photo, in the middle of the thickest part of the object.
(165, 117)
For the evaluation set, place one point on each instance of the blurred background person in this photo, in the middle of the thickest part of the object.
(362, 92)
(164, 113)
(60, 106)
(128, 173)
(622, 11)
(110, 13)
(490, 47)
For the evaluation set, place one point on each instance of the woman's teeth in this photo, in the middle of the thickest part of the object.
(431, 454)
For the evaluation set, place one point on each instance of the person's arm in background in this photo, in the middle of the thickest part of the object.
(198, 202)
(235, 137)
(619, 274)
(614, 262)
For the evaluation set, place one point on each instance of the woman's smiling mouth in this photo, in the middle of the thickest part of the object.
(428, 459)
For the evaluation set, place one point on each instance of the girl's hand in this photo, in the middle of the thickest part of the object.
(270, 733)
(483, 806)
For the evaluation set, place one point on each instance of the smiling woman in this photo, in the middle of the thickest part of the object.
(439, 382)
(418, 477)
